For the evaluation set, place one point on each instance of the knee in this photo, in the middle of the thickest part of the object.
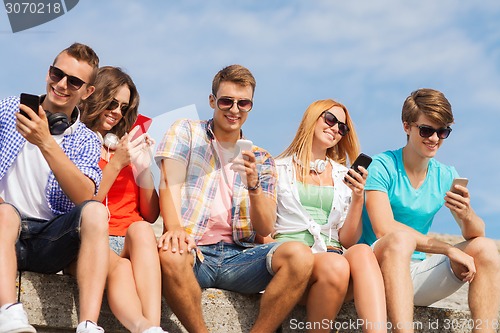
(122, 267)
(141, 233)
(9, 219)
(332, 271)
(296, 256)
(360, 255)
(95, 217)
(485, 252)
(397, 245)
(173, 264)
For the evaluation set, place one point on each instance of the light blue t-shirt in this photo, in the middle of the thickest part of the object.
(414, 207)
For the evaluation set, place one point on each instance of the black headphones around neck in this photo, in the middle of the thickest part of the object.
(59, 122)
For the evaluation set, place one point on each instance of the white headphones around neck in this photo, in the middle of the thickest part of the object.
(318, 166)
(111, 141)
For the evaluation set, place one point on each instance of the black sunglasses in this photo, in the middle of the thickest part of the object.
(331, 120)
(226, 103)
(427, 131)
(56, 75)
(114, 104)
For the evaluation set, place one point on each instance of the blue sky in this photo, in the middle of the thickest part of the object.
(369, 55)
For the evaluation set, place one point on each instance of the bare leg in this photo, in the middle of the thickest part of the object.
(484, 293)
(122, 295)
(393, 253)
(140, 247)
(292, 263)
(327, 288)
(181, 289)
(93, 260)
(368, 288)
(9, 230)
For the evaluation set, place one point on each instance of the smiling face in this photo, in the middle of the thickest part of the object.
(60, 97)
(423, 147)
(227, 124)
(111, 117)
(326, 136)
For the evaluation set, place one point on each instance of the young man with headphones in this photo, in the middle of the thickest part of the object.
(48, 174)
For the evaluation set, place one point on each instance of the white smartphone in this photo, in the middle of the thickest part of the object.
(242, 145)
(458, 181)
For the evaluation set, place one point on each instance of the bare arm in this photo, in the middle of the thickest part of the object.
(77, 186)
(351, 231)
(173, 175)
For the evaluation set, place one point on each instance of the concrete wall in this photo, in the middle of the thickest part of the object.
(51, 303)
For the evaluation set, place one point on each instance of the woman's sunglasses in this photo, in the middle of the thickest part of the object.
(226, 103)
(114, 104)
(427, 131)
(331, 120)
(56, 75)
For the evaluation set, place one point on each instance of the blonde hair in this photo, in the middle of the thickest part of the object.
(301, 146)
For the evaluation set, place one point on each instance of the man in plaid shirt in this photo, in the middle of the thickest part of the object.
(48, 173)
(216, 202)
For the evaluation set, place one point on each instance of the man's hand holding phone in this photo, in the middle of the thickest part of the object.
(457, 199)
(244, 164)
(31, 120)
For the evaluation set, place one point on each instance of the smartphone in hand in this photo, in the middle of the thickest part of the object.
(31, 101)
(362, 160)
(458, 181)
(242, 145)
(143, 122)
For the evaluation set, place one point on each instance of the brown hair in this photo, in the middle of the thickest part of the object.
(82, 52)
(429, 102)
(301, 145)
(233, 73)
(109, 80)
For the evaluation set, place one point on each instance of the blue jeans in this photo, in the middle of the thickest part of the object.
(235, 268)
(48, 246)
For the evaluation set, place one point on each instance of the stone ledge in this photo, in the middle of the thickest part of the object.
(50, 303)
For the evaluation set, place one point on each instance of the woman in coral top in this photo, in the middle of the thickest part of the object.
(127, 189)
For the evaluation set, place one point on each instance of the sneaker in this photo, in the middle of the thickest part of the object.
(89, 326)
(13, 319)
(155, 329)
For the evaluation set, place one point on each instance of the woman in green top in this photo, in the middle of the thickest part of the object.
(318, 207)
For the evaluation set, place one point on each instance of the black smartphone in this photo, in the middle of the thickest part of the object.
(31, 101)
(362, 160)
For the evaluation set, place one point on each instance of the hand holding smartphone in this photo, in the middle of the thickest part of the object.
(242, 145)
(458, 181)
(362, 160)
(31, 101)
(144, 123)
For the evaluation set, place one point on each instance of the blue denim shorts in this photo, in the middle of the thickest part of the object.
(235, 268)
(49, 246)
(116, 243)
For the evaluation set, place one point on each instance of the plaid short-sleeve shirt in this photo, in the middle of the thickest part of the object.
(190, 141)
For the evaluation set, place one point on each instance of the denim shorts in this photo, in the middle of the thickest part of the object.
(235, 268)
(116, 243)
(49, 246)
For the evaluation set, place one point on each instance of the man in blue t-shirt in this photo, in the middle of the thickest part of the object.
(404, 190)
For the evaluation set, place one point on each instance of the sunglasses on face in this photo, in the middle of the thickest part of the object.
(56, 75)
(427, 131)
(331, 120)
(226, 103)
(114, 104)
